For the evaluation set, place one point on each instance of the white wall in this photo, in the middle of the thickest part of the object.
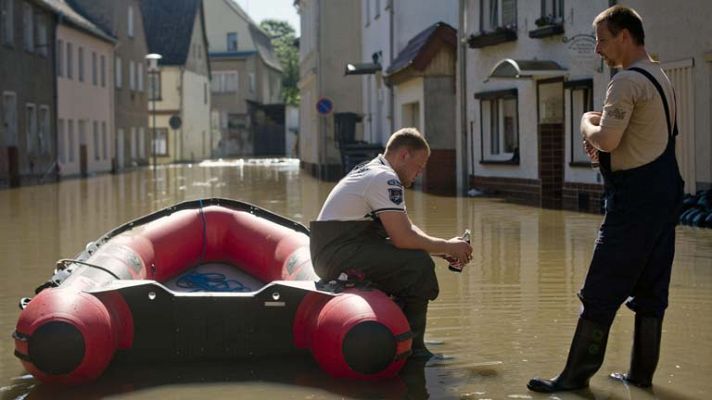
(410, 91)
(196, 117)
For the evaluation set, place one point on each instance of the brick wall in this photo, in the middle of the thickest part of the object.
(583, 197)
(520, 190)
(551, 164)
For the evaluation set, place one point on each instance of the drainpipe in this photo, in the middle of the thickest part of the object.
(461, 140)
(391, 96)
(323, 123)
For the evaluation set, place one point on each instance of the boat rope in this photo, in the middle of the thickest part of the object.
(210, 282)
(66, 261)
(205, 231)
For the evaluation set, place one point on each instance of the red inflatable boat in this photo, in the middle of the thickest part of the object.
(206, 279)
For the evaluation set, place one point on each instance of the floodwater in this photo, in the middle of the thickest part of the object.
(509, 316)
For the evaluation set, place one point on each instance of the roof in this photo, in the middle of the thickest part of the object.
(421, 49)
(263, 43)
(509, 68)
(69, 16)
(169, 26)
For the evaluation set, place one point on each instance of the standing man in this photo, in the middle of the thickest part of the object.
(363, 228)
(633, 140)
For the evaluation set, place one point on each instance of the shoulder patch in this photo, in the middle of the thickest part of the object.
(394, 182)
(396, 195)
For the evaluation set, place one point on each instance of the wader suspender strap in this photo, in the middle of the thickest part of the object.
(652, 79)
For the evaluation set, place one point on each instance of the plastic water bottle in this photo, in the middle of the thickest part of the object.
(454, 265)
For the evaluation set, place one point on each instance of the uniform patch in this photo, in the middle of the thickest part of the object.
(394, 182)
(617, 113)
(396, 195)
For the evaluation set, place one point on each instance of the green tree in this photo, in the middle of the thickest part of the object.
(284, 43)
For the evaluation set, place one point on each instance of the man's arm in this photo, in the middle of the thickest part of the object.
(405, 235)
(601, 137)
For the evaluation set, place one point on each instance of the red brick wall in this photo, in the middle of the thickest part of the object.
(520, 190)
(551, 164)
(440, 176)
(582, 197)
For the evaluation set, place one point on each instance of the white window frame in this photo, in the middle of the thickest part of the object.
(41, 38)
(28, 27)
(139, 76)
(31, 126)
(160, 142)
(493, 138)
(134, 143)
(229, 42)
(118, 76)
(105, 141)
(7, 18)
(132, 75)
(491, 16)
(225, 81)
(580, 100)
(142, 142)
(130, 23)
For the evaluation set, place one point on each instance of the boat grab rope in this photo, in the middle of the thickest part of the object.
(63, 263)
(210, 282)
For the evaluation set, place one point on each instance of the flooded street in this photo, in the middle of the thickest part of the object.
(508, 317)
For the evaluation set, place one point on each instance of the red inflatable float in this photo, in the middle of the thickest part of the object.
(206, 279)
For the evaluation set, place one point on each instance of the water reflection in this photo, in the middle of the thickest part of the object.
(509, 316)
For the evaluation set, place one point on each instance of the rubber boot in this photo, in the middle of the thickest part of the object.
(416, 313)
(585, 358)
(646, 351)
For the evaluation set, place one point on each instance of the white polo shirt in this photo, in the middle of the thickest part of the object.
(364, 193)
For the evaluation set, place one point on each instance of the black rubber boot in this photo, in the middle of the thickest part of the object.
(416, 313)
(585, 358)
(646, 351)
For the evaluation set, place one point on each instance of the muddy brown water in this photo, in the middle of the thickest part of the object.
(509, 316)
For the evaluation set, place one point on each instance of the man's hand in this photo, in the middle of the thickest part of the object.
(459, 250)
(591, 151)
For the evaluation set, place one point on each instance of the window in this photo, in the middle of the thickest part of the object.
(94, 69)
(224, 82)
(499, 125)
(70, 140)
(552, 12)
(130, 24)
(104, 141)
(139, 77)
(154, 85)
(43, 139)
(6, 21)
(205, 93)
(9, 119)
(252, 82)
(70, 60)
(134, 143)
(142, 142)
(28, 27)
(132, 75)
(378, 10)
(96, 145)
(232, 41)
(102, 70)
(368, 12)
(580, 96)
(31, 127)
(117, 73)
(41, 40)
(160, 142)
(80, 63)
(61, 142)
(497, 13)
(60, 59)
(82, 125)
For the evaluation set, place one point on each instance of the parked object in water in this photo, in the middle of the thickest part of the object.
(697, 209)
(211, 279)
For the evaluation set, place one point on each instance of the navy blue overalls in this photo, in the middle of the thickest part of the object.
(636, 243)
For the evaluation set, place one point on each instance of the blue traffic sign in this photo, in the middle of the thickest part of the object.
(324, 106)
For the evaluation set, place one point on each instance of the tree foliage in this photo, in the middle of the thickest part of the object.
(283, 41)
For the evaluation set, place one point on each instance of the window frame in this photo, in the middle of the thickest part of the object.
(229, 41)
(574, 136)
(7, 8)
(497, 97)
(28, 27)
(154, 78)
(161, 152)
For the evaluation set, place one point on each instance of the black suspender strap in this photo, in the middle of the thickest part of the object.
(652, 79)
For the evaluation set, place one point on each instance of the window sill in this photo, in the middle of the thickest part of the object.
(547, 31)
(485, 39)
(499, 162)
(580, 164)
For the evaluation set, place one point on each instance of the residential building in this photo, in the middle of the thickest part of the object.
(179, 90)
(329, 41)
(28, 92)
(122, 20)
(246, 82)
(85, 94)
(531, 71)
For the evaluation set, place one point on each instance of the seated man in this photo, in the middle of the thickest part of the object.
(363, 226)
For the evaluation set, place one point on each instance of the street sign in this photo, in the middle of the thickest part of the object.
(175, 122)
(324, 106)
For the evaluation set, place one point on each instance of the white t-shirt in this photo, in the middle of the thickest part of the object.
(364, 193)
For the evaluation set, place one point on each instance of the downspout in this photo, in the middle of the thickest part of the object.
(391, 96)
(461, 140)
(323, 123)
(53, 56)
